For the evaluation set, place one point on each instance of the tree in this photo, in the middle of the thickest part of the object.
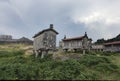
(100, 41)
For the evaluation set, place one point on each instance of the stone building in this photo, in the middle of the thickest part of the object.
(97, 47)
(24, 40)
(7, 39)
(45, 41)
(112, 46)
(76, 43)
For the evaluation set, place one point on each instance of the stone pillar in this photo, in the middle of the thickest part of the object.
(36, 53)
(83, 51)
(43, 54)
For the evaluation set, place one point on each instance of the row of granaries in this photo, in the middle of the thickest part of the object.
(45, 41)
(83, 42)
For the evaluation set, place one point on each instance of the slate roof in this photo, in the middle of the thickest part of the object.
(51, 28)
(112, 43)
(75, 38)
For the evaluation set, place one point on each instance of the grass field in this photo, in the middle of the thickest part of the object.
(18, 63)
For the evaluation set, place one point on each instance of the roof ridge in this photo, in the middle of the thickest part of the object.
(114, 42)
(74, 38)
(44, 31)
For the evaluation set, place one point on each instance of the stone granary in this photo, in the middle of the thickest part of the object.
(97, 47)
(112, 46)
(45, 41)
(77, 43)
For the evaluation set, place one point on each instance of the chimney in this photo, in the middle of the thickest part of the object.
(51, 26)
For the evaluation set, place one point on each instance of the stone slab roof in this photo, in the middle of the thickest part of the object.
(51, 28)
(112, 43)
(75, 38)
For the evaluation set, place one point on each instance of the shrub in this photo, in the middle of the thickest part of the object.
(11, 53)
(91, 60)
(88, 67)
(104, 67)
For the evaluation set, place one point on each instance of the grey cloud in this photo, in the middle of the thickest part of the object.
(69, 16)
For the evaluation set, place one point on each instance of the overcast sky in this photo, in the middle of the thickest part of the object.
(99, 18)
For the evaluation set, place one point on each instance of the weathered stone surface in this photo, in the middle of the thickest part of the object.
(45, 41)
(76, 43)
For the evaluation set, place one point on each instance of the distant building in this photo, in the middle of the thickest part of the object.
(24, 40)
(107, 47)
(7, 39)
(112, 46)
(76, 43)
(45, 41)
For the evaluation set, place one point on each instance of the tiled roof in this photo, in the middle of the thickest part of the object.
(75, 38)
(44, 31)
(112, 43)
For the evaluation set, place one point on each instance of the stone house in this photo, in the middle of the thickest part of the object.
(45, 41)
(76, 43)
(112, 46)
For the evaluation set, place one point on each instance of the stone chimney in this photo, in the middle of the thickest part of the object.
(51, 26)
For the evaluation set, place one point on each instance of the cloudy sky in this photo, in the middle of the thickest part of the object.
(99, 18)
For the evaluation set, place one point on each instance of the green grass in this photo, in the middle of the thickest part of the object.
(15, 66)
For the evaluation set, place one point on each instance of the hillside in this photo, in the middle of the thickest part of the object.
(16, 65)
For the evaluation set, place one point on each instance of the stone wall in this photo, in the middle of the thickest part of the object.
(85, 43)
(46, 40)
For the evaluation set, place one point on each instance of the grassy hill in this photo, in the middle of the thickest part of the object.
(15, 64)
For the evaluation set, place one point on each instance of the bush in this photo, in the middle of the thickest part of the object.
(15, 66)
(108, 53)
(105, 67)
(11, 53)
(91, 60)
